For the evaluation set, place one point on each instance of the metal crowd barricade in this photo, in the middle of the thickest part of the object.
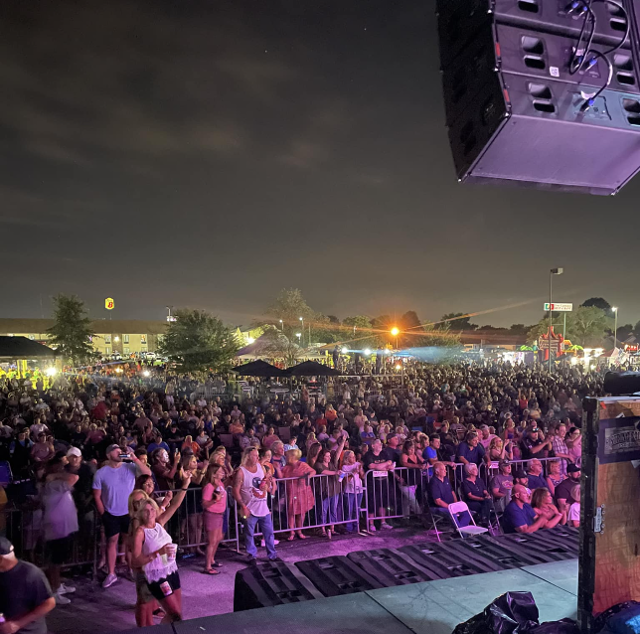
(312, 502)
(24, 528)
(187, 529)
(393, 494)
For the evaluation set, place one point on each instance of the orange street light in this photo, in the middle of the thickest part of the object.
(395, 332)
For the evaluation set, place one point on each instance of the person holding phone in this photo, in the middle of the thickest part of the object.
(112, 485)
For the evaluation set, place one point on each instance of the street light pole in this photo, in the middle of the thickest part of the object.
(552, 272)
(302, 340)
(615, 326)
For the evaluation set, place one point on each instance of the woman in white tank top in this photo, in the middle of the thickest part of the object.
(154, 552)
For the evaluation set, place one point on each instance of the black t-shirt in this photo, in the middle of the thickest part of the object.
(392, 454)
(23, 589)
(563, 491)
(370, 459)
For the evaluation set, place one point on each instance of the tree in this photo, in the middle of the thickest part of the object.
(458, 321)
(71, 332)
(598, 302)
(519, 329)
(198, 341)
(357, 333)
(587, 326)
(280, 347)
(286, 310)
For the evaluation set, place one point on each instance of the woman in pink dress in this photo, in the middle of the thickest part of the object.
(300, 498)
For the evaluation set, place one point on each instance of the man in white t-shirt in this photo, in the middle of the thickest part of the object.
(573, 516)
(112, 485)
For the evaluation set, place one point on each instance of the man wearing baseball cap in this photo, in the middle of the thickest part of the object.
(112, 485)
(25, 594)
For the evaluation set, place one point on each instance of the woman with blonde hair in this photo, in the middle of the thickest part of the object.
(311, 439)
(145, 600)
(300, 498)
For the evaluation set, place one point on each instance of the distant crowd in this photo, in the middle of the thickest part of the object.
(168, 466)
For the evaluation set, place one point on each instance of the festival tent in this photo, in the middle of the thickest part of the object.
(258, 368)
(15, 348)
(311, 368)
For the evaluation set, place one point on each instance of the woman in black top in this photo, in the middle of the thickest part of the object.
(475, 493)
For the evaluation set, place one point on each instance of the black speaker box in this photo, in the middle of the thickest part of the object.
(460, 20)
(523, 129)
(512, 49)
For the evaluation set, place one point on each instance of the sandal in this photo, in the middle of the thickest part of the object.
(216, 564)
(211, 571)
(291, 537)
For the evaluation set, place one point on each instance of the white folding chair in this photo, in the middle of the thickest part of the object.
(471, 529)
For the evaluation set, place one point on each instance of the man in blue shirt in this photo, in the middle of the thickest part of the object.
(158, 444)
(441, 494)
(470, 451)
(534, 476)
(519, 516)
(430, 454)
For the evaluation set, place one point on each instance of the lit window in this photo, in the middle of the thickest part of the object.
(107, 350)
(107, 338)
(126, 350)
(125, 338)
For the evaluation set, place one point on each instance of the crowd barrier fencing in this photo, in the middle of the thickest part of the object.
(306, 503)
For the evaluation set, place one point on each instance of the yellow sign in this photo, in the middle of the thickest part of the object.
(109, 303)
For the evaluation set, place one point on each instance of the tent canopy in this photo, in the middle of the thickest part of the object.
(23, 348)
(258, 368)
(311, 368)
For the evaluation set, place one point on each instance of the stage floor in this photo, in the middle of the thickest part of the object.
(433, 607)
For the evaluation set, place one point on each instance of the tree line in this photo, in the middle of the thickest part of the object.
(198, 341)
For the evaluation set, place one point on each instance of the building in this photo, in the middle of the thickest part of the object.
(126, 336)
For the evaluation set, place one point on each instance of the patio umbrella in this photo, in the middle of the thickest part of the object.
(311, 368)
(258, 368)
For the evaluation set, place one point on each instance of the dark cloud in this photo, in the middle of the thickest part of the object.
(208, 154)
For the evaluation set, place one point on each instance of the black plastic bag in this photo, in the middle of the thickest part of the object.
(514, 613)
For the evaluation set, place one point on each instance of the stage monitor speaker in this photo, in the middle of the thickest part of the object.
(517, 109)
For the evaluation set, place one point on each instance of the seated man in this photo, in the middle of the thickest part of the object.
(564, 491)
(441, 495)
(535, 479)
(519, 516)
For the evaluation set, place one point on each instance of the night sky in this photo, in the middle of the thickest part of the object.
(207, 154)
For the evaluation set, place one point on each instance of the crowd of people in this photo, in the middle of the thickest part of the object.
(165, 466)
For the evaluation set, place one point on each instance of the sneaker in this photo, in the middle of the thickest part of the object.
(264, 545)
(109, 581)
(386, 526)
(64, 589)
(61, 599)
(372, 528)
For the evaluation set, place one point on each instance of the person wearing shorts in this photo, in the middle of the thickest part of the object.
(112, 485)
(214, 501)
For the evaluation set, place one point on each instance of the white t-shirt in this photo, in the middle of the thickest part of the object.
(574, 512)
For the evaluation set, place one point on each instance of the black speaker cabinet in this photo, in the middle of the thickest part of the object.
(526, 130)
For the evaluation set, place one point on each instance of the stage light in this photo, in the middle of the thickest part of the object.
(251, 340)
(398, 366)
(51, 371)
(146, 373)
(345, 350)
(367, 352)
